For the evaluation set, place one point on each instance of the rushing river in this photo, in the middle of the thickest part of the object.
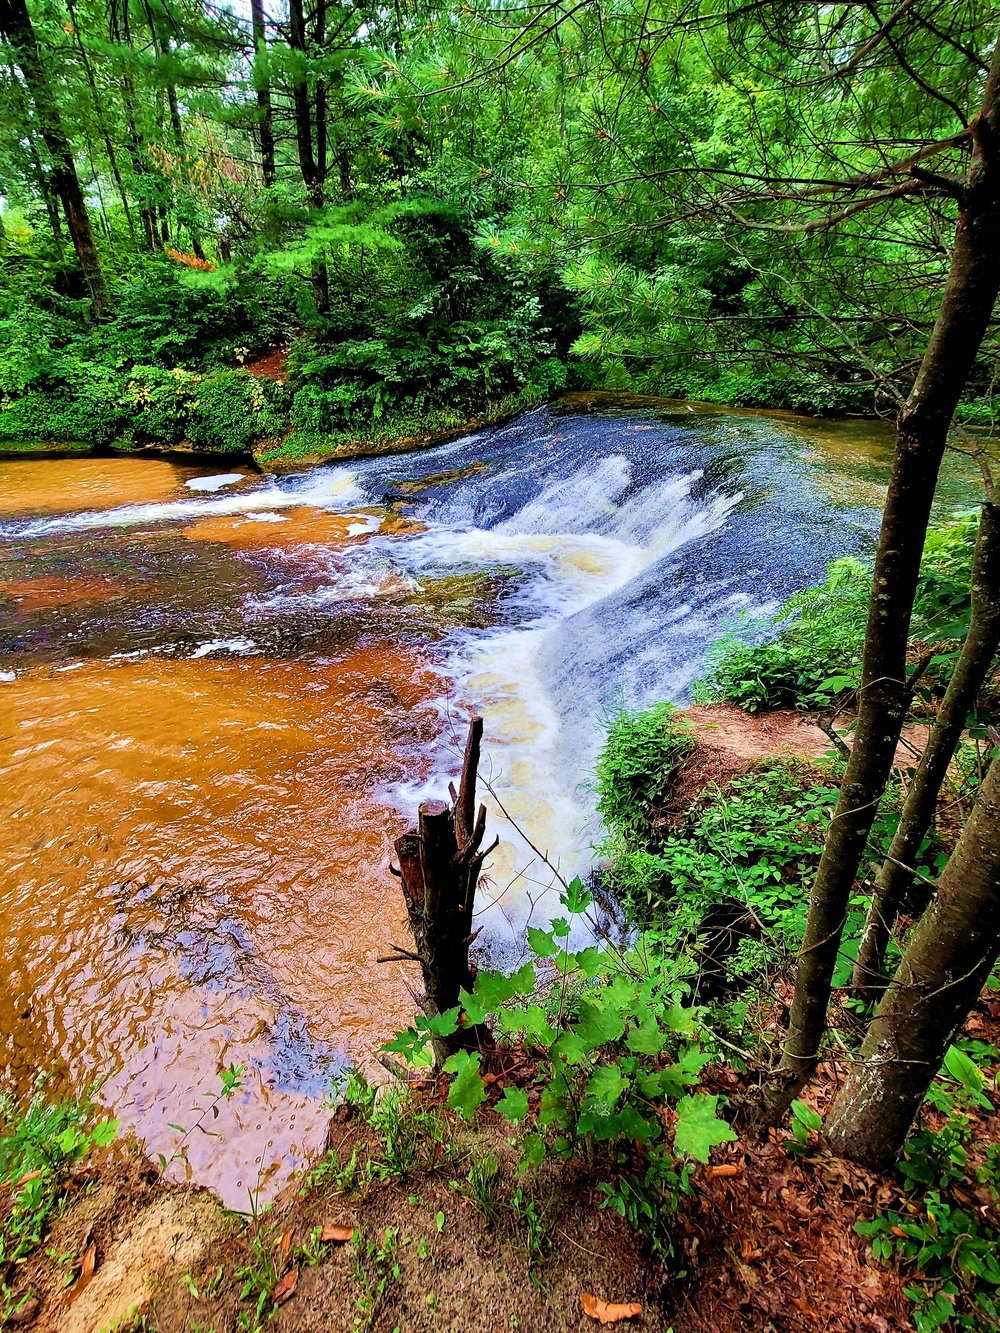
(222, 694)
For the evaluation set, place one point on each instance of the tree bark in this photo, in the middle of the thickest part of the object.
(16, 26)
(943, 969)
(975, 659)
(312, 177)
(439, 865)
(262, 86)
(967, 305)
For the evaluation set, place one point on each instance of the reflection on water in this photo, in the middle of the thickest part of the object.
(222, 694)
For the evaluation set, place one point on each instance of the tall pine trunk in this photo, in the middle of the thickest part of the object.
(16, 26)
(262, 86)
(966, 308)
(975, 659)
(943, 969)
(312, 176)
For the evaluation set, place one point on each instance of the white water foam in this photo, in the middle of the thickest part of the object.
(581, 539)
(333, 488)
(216, 483)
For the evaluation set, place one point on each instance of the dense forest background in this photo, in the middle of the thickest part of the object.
(448, 213)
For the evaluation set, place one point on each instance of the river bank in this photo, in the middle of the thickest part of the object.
(295, 450)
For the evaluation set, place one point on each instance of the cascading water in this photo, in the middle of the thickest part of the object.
(221, 701)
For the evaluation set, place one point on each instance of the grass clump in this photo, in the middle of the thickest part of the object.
(39, 1145)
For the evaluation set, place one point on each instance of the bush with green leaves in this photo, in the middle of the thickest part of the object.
(618, 1051)
(39, 1144)
(949, 1251)
(815, 657)
(637, 766)
(757, 842)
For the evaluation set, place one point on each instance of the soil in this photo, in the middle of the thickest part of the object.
(728, 742)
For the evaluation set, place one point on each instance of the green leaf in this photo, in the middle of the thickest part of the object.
(576, 899)
(597, 1025)
(513, 1104)
(698, 1127)
(467, 1090)
(471, 1006)
(806, 1116)
(837, 683)
(104, 1133)
(494, 989)
(532, 1020)
(532, 1152)
(446, 1024)
(606, 1084)
(570, 1048)
(560, 928)
(646, 1039)
(589, 961)
(963, 1070)
(542, 942)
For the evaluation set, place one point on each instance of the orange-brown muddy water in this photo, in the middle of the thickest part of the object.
(206, 835)
(218, 693)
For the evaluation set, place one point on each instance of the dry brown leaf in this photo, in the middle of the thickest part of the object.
(286, 1287)
(16, 1184)
(336, 1231)
(286, 1241)
(726, 1169)
(87, 1265)
(595, 1308)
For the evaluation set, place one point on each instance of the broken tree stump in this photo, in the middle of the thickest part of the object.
(439, 865)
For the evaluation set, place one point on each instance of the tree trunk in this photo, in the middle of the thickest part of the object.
(262, 85)
(312, 178)
(973, 666)
(966, 307)
(16, 26)
(943, 969)
(98, 112)
(439, 865)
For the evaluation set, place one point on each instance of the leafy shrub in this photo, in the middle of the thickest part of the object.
(816, 655)
(226, 411)
(950, 1253)
(39, 1144)
(638, 764)
(610, 1057)
(758, 843)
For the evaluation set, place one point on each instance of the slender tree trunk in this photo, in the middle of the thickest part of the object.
(943, 969)
(108, 146)
(975, 659)
(16, 26)
(303, 113)
(262, 85)
(967, 305)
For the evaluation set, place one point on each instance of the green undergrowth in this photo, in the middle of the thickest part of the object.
(941, 1229)
(814, 660)
(40, 1144)
(620, 1052)
(397, 432)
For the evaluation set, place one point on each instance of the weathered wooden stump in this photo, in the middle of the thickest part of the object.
(439, 865)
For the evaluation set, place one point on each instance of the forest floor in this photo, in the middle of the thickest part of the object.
(766, 1243)
(427, 1226)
